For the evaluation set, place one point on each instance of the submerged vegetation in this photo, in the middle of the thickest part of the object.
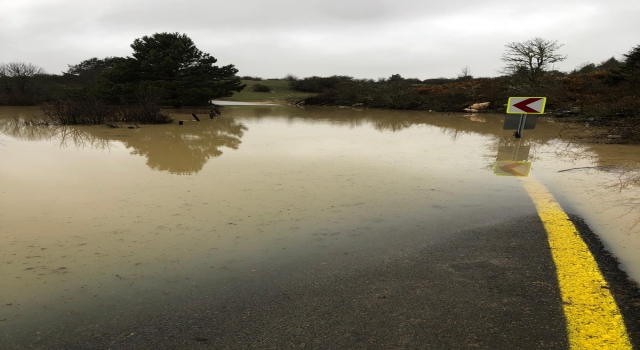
(94, 111)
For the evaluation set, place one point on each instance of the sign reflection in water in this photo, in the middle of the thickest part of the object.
(512, 160)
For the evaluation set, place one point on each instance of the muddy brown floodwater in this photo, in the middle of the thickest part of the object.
(95, 219)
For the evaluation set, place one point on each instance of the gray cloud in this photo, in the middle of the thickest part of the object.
(371, 39)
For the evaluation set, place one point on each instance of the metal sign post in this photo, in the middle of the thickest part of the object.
(514, 151)
(523, 120)
(519, 123)
(527, 108)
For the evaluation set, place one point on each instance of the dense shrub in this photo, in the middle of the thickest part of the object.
(317, 84)
(401, 95)
(438, 81)
(260, 88)
(143, 112)
(248, 77)
(373, 95)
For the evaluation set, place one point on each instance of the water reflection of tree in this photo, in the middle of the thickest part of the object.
(173, 148)
(627, 184)
(185, 151)
(64, 135)
(627, 178)
(391, 124)
(622, 172)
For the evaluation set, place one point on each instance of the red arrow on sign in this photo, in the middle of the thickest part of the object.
(524, 105)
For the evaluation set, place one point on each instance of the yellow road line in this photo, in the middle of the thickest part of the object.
(593, 318)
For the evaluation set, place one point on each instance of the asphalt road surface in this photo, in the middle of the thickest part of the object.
(493, 287)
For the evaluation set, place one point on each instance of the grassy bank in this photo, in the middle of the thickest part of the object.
(280, 92)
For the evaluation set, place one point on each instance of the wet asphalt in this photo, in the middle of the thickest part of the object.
(491, 287)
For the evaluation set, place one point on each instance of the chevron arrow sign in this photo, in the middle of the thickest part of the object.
(526, 105)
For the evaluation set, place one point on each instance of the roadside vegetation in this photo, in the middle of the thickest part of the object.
(605, 95)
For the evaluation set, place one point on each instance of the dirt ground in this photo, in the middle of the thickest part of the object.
(609, 130)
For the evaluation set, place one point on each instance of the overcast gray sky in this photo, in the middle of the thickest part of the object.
(361, 38)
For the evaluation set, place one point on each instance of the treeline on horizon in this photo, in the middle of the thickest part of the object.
(606, 93)
(166, 69)
(605, 89)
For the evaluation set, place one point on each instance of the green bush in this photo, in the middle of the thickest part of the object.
(260, 88)
(318, 84)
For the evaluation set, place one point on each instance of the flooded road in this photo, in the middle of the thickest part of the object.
(97, 221)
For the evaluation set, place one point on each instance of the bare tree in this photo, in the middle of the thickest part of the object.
(18, 69)
(290, 77)
(465, 73)
(18, 84)
(531, 58)
(21, 73)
